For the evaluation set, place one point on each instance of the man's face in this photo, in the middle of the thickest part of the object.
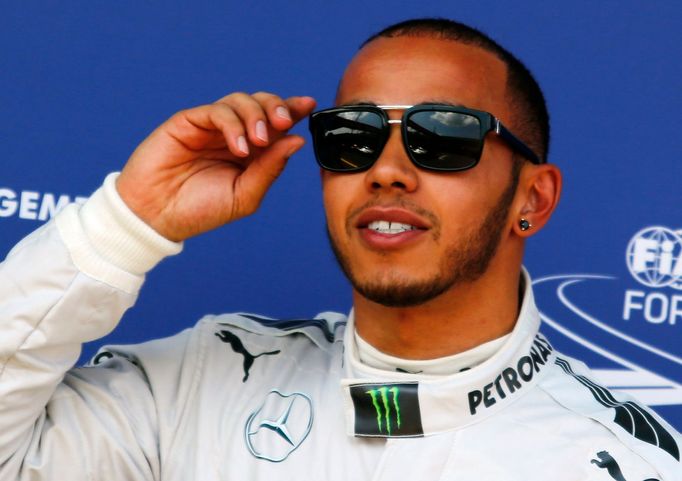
(459, 216)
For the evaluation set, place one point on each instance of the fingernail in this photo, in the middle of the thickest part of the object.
(242, 145)
(282, 112)
(261, 131)
(292, 151)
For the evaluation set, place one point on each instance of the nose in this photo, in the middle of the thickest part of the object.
(393, 170)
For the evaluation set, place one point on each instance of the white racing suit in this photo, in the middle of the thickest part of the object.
(240, 397)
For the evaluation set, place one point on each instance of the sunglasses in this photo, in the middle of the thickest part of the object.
(436, 137)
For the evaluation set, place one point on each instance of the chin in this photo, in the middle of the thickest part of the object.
(393, 290)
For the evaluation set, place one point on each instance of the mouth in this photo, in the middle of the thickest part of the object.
(390, 227)
(391, 220)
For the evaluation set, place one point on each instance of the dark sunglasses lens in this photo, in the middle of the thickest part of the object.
(347, 140)
(443, 140)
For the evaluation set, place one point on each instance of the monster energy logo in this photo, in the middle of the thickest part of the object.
(383, 406)
(386, 410)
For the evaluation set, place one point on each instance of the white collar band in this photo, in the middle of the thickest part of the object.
(442, 366)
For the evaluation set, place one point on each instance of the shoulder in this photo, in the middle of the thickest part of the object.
(322, 330)
(225, 347)
(610, 415)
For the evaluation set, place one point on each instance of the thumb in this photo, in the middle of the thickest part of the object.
(260, 174)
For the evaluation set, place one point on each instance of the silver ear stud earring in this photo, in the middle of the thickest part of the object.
(524, 224)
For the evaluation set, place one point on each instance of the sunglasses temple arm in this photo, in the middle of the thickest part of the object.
(515, 142)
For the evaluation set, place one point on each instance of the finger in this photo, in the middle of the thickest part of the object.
(276, 109)
(252, 115)
(255, 181)
(300, 107)
(196, 128)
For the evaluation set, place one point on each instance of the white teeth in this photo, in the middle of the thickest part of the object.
(386, 227)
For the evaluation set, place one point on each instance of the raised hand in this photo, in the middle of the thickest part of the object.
(213, 164)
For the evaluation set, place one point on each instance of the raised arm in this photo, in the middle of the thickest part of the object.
(71, 281)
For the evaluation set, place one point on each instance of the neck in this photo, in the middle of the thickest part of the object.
(461, 318)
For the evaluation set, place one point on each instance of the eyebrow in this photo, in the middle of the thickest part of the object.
(432, 101)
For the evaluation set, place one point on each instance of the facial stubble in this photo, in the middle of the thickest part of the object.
(464, 262)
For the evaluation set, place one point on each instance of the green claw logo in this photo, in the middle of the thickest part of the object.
(382, 405)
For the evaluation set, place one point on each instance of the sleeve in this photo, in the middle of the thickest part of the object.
(67, 283)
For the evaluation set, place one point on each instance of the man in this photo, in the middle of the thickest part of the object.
(439, 372)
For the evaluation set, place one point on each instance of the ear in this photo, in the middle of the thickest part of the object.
(537, 197)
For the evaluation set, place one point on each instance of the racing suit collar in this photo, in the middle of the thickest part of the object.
(442, 366)
(380, 403)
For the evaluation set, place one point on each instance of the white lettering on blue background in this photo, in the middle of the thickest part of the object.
(654, 307)
(33, 205)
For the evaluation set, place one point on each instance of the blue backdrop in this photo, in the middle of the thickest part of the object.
(84, 82)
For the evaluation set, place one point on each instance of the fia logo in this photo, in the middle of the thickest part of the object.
(654, 258)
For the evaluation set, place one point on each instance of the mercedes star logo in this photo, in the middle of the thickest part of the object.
(279, 426)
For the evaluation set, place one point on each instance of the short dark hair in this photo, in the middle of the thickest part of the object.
(530, 116)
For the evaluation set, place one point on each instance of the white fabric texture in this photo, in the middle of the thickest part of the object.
(119, 236)
(244, 397)
(462, 361)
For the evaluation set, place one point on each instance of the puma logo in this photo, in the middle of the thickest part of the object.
(238, 347)
(606, 461)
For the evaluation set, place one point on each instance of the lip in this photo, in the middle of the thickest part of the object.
(391, 214)
(378, 241)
